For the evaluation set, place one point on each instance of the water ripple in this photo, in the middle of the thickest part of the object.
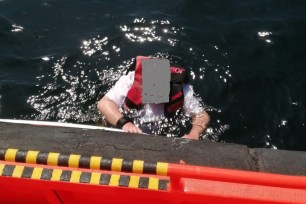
(69, 92)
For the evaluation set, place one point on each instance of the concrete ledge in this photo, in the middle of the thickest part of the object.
(280, 161)
(150, 148)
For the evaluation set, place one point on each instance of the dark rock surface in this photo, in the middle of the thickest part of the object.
(150, 148)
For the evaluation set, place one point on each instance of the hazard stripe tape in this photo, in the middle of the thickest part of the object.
(76, 176)
(80, 161)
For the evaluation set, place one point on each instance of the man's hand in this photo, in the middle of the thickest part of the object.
(192, 136)
(131, 128)
(199, 124)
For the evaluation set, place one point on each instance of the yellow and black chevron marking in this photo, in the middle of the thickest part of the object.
(73, 176)
(79, 161)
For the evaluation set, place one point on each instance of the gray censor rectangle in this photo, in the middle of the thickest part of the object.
(155, 80)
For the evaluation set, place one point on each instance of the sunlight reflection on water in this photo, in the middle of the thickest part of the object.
(69, 92)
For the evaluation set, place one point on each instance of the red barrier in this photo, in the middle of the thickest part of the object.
(188, 184)
(236, 176)
(15, 189)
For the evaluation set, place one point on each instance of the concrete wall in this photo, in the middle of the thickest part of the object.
(150, 148)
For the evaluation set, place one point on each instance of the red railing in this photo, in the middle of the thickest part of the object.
(36, 183)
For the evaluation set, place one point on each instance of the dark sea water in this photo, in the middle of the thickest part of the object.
(247, 60)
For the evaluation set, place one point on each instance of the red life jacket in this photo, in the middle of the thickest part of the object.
(176, 96)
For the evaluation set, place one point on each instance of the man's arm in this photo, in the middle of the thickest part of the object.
(112, 114)
(200, 118)
(199, 125)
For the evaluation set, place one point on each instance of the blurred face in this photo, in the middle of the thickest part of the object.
(155, 80)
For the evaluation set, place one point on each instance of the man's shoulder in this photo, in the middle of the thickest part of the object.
(129, 75)
(187, 88)
(126, 77)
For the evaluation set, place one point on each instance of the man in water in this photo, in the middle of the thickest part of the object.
(153, 92)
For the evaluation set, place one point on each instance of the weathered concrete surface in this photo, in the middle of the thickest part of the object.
(280, 161)
(150, 148)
